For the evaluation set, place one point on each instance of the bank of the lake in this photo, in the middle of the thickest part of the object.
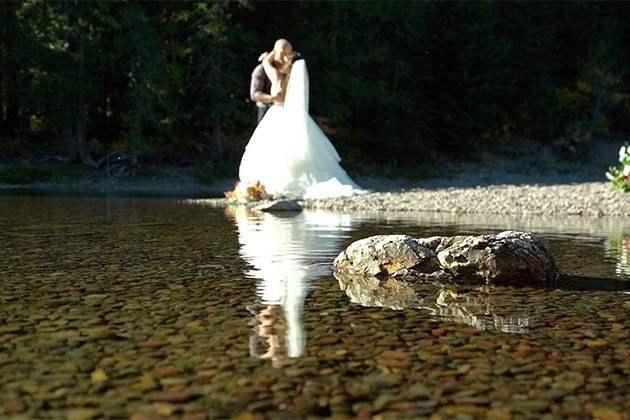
(525, 179)
(592, 199)
(67, 180)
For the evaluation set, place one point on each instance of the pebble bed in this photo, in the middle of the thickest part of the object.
(140, 309)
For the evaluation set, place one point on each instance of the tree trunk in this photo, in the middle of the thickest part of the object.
(218, 97)
(9, 106)
(216, 132)
(4, 37)
(333, 34)
(75, 131)
(73, 136)
(12, 109)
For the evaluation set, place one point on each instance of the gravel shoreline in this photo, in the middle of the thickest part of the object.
(527, 179)
(592, 199)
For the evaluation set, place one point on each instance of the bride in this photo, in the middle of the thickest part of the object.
(288, 153)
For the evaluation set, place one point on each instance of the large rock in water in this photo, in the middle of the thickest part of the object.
(387, 255)
(509, 258)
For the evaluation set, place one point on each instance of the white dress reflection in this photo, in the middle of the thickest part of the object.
(286, 252)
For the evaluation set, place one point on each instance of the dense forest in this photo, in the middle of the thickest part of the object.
(390, 81)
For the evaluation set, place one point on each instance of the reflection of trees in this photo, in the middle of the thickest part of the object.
(475, 307)
(618, 248)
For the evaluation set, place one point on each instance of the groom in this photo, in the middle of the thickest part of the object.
(260, 85)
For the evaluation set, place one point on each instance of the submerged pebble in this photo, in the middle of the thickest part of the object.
(145, 311)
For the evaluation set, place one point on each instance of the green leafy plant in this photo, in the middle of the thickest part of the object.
(619, 175)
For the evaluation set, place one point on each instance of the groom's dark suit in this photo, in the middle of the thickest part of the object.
(260, 83)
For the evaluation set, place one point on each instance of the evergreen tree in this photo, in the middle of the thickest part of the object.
(391, 81)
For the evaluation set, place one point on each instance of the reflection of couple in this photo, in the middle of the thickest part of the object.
(288, 153)
(285, 255)
(270, 328)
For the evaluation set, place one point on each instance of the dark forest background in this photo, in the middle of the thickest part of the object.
(392, 83)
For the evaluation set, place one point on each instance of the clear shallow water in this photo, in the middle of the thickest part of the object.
(163, 307)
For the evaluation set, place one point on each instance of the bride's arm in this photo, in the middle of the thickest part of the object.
(272, 73)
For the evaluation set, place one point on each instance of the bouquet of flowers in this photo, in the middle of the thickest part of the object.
(243, 193)
(620, 175)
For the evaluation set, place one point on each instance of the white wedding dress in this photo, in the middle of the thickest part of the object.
(290, 155)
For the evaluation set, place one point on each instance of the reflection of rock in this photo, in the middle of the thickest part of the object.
(509, 257)
(371, 291)
(474, 307)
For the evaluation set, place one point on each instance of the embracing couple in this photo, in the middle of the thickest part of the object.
(288, 153)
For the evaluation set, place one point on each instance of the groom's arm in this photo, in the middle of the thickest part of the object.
(256, 89)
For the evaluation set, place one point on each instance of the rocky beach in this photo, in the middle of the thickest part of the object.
(528, 179)
(591, 199)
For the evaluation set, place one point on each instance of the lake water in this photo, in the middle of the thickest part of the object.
(166, 307)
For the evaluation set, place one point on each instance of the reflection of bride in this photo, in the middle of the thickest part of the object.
(286, 254)
(288, 153)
